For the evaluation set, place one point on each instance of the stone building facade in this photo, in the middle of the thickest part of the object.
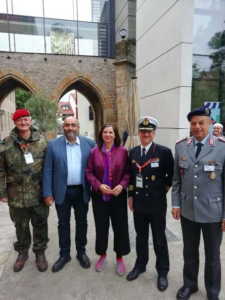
(6, 111)
(55, 75)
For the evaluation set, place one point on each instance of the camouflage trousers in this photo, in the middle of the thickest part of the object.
(21, 218)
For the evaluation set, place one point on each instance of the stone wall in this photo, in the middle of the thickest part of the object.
(95, 77)
(8, 107)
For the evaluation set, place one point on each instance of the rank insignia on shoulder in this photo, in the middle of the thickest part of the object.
(179, 141)
(133, 161)
(221, 139)
(189, 142)
(211, 142)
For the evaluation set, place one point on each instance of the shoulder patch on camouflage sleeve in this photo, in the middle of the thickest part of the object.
(184, 139)
(221, 139)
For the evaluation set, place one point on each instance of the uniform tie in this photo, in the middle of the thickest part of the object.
(143, 155)
(199, 148)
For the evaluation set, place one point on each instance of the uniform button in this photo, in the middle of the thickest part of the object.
(146, 194)
(195, 176)
(195, 187)
(146, 177)
(136, 192)
(147, 186)
(218, 199)
(196, 166)
(196, 198)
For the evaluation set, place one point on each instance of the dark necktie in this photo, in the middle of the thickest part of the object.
(199, 148)
(143, 156)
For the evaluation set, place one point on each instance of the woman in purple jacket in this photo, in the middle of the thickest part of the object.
(108, 174)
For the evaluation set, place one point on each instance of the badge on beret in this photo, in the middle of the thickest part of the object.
(207, 111)
(153, 178)
(213, 175)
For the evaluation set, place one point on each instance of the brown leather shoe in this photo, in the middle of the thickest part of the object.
(19, 263)
(41, 262)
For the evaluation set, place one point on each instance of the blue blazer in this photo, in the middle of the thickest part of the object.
(55, 168)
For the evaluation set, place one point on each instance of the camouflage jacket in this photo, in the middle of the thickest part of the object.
(21, 182)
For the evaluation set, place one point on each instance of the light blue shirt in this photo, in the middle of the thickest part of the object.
(74, 162)
(195, 142)
(202, 142)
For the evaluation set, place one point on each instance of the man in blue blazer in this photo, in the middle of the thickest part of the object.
(64, 182)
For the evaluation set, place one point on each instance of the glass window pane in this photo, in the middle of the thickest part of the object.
(4, 37)
(84, 10)
(208, 22)
(88, 38)
(3, 7)
(60, 9)
(100, 11)
(208, 79)
(28, 8)
(61, 36)
(28, 33)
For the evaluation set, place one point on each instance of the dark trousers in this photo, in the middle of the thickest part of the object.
(158, 226)
(116, 209)
(212, 236)
(21, 218)
(73, 198)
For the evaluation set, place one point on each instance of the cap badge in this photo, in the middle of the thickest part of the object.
(145, 122)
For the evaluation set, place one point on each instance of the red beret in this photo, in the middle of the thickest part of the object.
(20, 113)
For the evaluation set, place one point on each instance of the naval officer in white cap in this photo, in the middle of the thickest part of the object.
(151, 177)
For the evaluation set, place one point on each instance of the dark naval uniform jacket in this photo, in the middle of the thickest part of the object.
(157, 179)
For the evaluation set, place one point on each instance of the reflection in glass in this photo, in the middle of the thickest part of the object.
(88, 38)
(60, 36)
(28, 33)
(65, 9)
(32, 8)
(208, 20)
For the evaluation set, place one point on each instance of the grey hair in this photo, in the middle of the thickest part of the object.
(218, 125)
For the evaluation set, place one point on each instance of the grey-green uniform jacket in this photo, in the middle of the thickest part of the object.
(21, 182)
(200, 193)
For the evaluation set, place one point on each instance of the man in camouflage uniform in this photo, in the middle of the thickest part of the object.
(21, 161)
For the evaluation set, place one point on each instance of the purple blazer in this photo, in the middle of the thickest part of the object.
(120, 168)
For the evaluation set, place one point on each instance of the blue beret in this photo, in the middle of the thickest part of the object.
(201, 111)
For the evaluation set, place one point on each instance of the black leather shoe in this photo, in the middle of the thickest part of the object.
(84, 260)
(185, 293)
(134, 274)
(162, 283)
(59, 265)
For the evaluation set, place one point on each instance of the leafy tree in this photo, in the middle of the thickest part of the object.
(217, 43)
(43, 111)
(21, 98)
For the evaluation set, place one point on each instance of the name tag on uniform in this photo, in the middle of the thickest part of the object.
(139, 181)
(154, 164)
(209, 168)
(28, 158)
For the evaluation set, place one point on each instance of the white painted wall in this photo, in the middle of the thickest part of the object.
(164, 64)
(6, 123)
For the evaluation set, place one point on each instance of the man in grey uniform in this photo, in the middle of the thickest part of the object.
(198, 199)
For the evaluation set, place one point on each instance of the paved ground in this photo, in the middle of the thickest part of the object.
(74, 282)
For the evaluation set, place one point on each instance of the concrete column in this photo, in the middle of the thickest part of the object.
(164, 64)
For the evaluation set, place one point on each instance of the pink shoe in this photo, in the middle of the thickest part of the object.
(121, 269)
(100, 264)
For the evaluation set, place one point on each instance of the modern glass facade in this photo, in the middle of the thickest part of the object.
(72, 27)
(208, 84)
